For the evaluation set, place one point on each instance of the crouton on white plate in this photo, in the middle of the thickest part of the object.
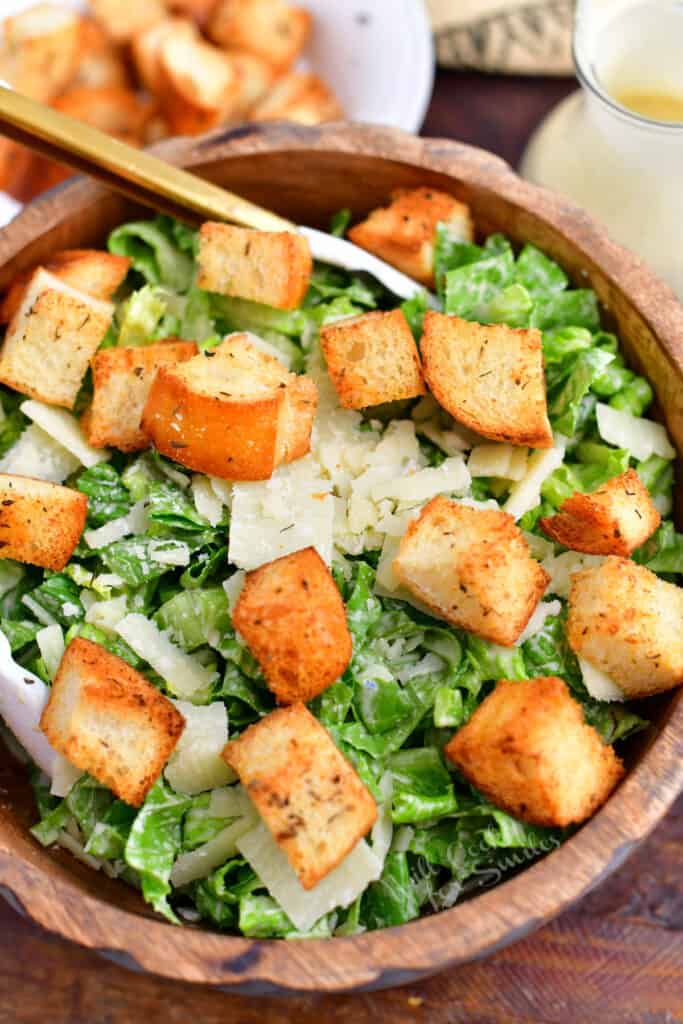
(271, 29)
(228, 412)
(100, 65)
(404, 232)
(529, 750)
(301, 97)
(40, 50)
(372, 359)
(88, 270)
(473, 568)
(40, 522)
(626, 622)
(615, 519)
(122, 380)
(121, 21)
(489, 377)
(255, 77)
(109, 721)
(307, 793)
(51, 339)
(291, 614)
(146, 49)
(200, 87)
(271, 267)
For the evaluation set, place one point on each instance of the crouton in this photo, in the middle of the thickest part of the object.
(403, 233)
(122, 21)
(254, 77)
(91, 271)
(307, 793)
(614, 520)
(101, 64)
(51, 339)
(270, 29)
(40, 523)
(301, 97)
(40, 50)
(146, 49)
(490, 378)
(227, 412)
(372, 359)
(272, 267)
(198, 10)
(122, 380)
(200, 87)
(114, 110)
(107, 720)
(628, 623)
(292, 617)
(473, 568)
(529, 750)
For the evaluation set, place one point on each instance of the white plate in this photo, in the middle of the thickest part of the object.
(376, 54)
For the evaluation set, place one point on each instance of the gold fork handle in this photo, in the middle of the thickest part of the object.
(135, 173)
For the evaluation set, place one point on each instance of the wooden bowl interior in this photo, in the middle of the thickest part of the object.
(307, 178)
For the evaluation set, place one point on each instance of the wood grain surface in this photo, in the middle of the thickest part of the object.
(618, 956)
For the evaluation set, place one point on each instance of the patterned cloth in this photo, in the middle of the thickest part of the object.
(525, 37)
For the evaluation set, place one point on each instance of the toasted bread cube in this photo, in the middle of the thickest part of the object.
(473, 568)
(291, 615)
(122, 21)
(107, 720)
(403, 233)
(234, 412)
(372, 359)
(200, 86)
(40, 523)
(301, 97)
(101, 64)
(307, 793)
(614, 520)
(146, 49)
(51, 339)
(628, 623)
(255, 77)
(529, 750)
(490, 378)
(115, 110)
(122, 381)
(272, 267)
(40, 50)
(91, 271)
(270, 29)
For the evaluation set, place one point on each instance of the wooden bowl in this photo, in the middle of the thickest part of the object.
(307, 174)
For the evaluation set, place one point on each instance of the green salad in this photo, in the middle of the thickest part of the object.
(156, 573)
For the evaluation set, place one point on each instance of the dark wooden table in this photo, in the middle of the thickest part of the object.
(616, 958)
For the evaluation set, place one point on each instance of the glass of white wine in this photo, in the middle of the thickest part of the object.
(616, 146)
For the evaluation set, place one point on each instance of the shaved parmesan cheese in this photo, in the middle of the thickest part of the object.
(196, 765)
(306, 906)
(107, 614)
(501, 460)
(167, 552)
(643, 438)
(184, 675)
(230, 802)
(201, 862)
(449, 441)
(561, 568)
(599, 684)
(451, 477)
(206, 501)
(39, 612)
(22, 699)
(37, 454)
(66, 430)
(537, 621)
(50, 640)
(275, 517)
(135, 521)
(525, 494)
(233, 587)
(64, 776)
(222, 489)
(383, 829)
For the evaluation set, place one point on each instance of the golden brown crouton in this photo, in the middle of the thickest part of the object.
(199, 85)
(122, 380)
(372, 359)
(122, 21)
(51, 339)
(272, 267)
(403, 233)
(614, 520)
(270, 29)
(529, 750)
(473, 567)
(488, 377)
(229, 412)
(254, 77)
(291, 615)
(92, 271)
(115, 110)
(628, 623)
(40, 50)
(101, 64)
(307, 793)
(301, 97)
(107, 720)
(146, 49)
(40, 523)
